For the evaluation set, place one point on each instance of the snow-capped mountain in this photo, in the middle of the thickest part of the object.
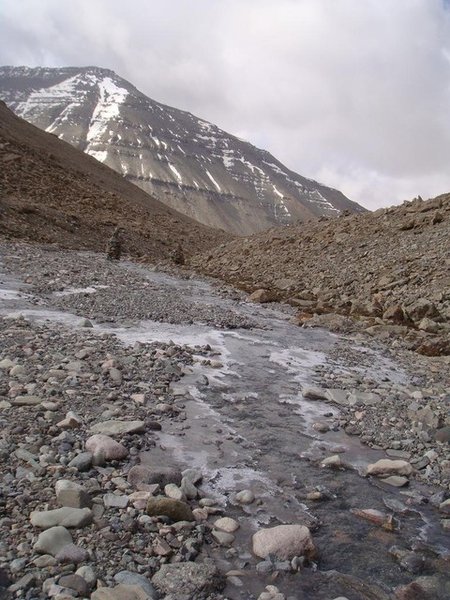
(186, 162)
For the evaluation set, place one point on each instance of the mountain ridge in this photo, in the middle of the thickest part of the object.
(187, 162)
(50, 192)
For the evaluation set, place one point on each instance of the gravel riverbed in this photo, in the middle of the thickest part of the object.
(93, 507)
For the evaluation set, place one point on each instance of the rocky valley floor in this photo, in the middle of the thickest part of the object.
(161, 437)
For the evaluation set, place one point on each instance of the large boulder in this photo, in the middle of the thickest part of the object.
(140, 476)
(386, 466)
(189, 580)
(284, 541)
(421, 308)
(174, 509)
(71, 493)
(121, 592)
(65, 516)
(104, 447)
(261, 296)
(51, 541)
(117, 427)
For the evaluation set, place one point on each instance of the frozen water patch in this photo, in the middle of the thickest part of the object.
(297, 362)
(13, 295)
(86, 290)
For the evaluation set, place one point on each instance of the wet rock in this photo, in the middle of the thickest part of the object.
(188, 488)
(103, 446)
(191, 580)
(173, 491)
(245, 497)
(70, 493)
(65, 517)
(223, 538)
(332, 462)
(444, 507)
(226, 524)
(116, 427)
(193, 475)
(174, 509)
(396, 481)
(386, 466)
(337, 396)
(284, 541)
(314, 393)
(51, 541)
(355, 587)
(377, 517)
(144, 475)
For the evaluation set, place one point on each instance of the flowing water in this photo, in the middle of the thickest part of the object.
(248, 426)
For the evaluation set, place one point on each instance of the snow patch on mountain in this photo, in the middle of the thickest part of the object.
(107, 109)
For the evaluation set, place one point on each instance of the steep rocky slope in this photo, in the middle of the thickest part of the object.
(390, 269)
(52, 192)
(186, 162)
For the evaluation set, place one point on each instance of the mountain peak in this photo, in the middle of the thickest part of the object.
(185, 161)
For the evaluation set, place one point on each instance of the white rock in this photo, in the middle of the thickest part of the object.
(173, 491)
(104, 446)
(117, 427)
(284, 541)
(115, 501)
(65, 517)
(52, 541)
(226, 524)
(385, 466)
(245, 497)
(70, 493)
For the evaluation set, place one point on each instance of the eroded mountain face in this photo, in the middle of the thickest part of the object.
(189, 164)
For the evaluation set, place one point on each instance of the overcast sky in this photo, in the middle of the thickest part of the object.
(353, 93)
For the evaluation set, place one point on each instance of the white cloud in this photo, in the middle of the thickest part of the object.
(354, 94)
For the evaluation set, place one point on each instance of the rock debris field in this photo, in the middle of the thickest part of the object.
(161, 437)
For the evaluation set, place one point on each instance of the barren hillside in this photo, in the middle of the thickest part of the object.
(389, 268)
(53, 193)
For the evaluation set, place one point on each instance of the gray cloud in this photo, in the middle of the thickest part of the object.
(354, 94)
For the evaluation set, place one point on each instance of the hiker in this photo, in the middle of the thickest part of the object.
(178, 255)
(114, 247)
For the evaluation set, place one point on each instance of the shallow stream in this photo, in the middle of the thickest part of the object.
(248, 426)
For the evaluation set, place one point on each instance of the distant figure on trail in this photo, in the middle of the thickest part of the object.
(178, 255)
(114, 246)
